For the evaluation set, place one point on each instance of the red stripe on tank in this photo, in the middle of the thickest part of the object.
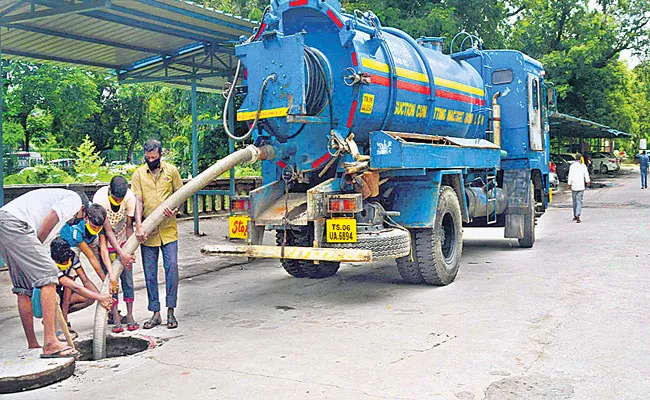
(321, 160)
(412, 87)
(297, 3)
(334, 18)
(353, 109)
(379, 80)
(355, 62)
(259, 31)
(459, 97)
(282, 164)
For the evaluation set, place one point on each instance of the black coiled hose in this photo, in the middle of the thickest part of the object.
(317, 85)
(318, 90)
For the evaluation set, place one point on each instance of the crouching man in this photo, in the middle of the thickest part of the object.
(73, 297)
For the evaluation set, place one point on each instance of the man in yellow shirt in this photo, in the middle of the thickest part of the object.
(152, 183)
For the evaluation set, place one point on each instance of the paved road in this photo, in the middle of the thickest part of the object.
(568, 319)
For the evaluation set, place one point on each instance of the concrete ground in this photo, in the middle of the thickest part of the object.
(568, 319)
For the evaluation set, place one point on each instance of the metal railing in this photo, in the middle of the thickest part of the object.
(208, 203)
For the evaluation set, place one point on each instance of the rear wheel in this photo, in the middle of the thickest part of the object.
(437, 251)
(529, 222)
(304, 237)
(603, 169)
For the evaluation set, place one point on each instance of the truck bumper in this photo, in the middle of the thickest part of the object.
(290, 252)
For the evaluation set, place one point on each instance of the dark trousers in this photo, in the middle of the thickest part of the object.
(170, 263)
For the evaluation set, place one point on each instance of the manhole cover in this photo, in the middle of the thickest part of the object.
(22, 370)
(116, 346)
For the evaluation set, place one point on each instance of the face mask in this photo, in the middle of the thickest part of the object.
(114, 202)
(65, 266)
(153, 164)
(92, 231)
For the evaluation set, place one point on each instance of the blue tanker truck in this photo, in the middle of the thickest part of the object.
(385, 147)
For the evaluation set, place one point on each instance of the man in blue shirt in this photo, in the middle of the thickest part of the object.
(643, 164)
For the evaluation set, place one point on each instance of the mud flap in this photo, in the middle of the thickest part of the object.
(516, 183)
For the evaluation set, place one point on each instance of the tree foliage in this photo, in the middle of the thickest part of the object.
(579, 43)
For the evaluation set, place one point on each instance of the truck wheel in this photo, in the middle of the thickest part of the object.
(529, 222)
(291, 266)
(410, 270)
(303, 237)
(438, 250)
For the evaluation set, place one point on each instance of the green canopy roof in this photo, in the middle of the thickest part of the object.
(166, 41)
(564, 125)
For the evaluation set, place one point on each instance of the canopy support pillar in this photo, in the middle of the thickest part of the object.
(195, 158)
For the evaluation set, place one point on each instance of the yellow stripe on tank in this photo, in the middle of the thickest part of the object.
(458, 86)
(374, 64)
(270, 113)
(404, 73)
(418, 76)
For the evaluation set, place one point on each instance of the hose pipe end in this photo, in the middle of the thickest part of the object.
(261, 153)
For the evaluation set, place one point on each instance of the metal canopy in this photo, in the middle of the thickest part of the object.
(166, 41)
(564, 125)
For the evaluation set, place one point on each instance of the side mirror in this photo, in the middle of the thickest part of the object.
(550, 98)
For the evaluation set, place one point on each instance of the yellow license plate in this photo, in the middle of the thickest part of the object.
(341, 230)
(238, 226)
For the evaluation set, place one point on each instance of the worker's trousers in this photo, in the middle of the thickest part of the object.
(170, 264)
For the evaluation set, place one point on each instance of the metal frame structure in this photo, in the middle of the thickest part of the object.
(168, 42)
(568, 126)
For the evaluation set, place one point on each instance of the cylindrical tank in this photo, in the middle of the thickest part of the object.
(401, 85)
(445, 99)
(477, 201)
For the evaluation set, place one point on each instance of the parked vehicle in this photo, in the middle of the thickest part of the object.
(385, 143)
(19, 160)
(553, 180)
(571, 157)
(561, 166)
(66, 164)
(605, 162)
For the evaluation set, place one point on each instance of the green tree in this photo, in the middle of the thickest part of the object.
(579, 46)
(67, 94)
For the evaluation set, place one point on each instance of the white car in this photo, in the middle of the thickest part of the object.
(604, 162)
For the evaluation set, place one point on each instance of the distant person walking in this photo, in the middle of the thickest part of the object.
(152, 184)
(643, 165)
(578, 178)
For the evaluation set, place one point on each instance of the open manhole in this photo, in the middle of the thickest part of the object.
(116, 346)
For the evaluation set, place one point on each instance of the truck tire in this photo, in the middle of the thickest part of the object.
(438, 250)
(529, 222)
(409, 269)
(387, 244)
(303, 237)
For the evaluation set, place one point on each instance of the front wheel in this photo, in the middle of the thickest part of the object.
(529, 222)
(437, 251)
